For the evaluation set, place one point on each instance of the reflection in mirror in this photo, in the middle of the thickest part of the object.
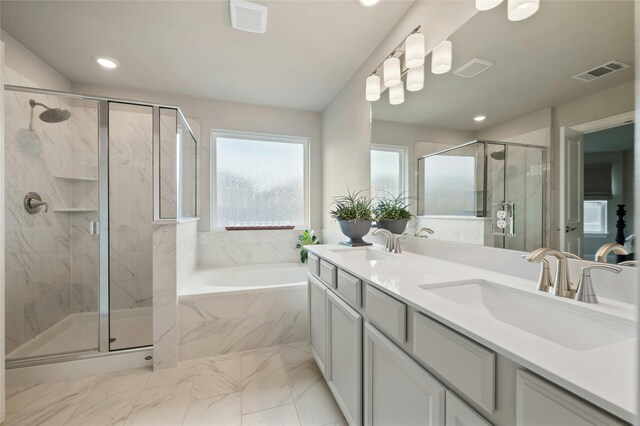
(541, 118)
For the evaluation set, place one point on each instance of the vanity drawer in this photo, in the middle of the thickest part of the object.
(328, 273)
(313, 263)
(387, 313)
(467, 365)
(350, 288)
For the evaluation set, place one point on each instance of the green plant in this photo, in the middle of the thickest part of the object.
(392, 208)
(353, 206)
(306, 238)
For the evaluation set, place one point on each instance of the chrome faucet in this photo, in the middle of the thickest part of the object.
(562, 282)
(544, 280)
(585, 292)
(396, 243)
(601, 254)
(423, 232)
(390, 246)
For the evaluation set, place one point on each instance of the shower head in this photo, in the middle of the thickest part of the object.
(498, 155)
(49, 115)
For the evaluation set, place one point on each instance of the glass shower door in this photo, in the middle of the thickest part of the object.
(51, 209)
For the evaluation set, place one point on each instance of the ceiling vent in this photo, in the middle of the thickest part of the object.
(248, 16)
(601, 71)
(474, 67)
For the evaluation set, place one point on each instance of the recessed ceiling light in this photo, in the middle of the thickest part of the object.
(368, 2)
(479, 118)
(108, 63)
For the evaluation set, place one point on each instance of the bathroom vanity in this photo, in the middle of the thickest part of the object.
(410, 339)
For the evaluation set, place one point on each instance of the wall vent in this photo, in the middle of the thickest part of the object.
(248, 16)
(474, 67)
(601, 71)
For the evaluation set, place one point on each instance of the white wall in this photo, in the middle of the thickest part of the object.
(240, 117)
(347, 119)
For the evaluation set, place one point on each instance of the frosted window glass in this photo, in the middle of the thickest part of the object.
(450, 185)
(259, 183)
(595, 217)
(386, 173)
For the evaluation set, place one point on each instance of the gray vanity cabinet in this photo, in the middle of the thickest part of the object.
(460, 414)
(344, 357)
(317, 322)
(397, 391)
(539, 403)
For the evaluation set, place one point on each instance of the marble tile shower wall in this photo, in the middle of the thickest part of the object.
(230, 248)
(38, 261)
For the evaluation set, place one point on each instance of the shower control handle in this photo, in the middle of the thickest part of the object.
(33, 203)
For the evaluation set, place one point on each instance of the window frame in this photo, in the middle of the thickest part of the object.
(262, 137)
(604, 219)
(404, 165)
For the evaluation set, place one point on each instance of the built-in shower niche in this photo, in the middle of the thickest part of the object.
(485, 193)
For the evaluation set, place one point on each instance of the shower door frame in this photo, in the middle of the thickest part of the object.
(103, 217)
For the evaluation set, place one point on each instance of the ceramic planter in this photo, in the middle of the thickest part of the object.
(355, 230)
(395, 226)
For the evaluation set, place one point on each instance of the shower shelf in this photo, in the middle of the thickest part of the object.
(75, 209)
(77, 178)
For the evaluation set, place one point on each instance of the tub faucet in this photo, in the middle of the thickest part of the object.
(601, 254)
(390, 246)
(562, 282)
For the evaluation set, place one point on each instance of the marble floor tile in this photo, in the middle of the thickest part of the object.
(264, 382)
(280, 416)
(311, 395)
(161, 406)
(222, 410)
(19, 396)
(216, 376)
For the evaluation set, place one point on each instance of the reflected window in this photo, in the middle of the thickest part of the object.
(595, 217)
(259, 180)
(388, 171)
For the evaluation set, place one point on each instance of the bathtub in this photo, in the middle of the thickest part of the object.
(245, 278)
(240, 308)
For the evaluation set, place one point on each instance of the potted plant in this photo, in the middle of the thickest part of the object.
(392, 213)
(307, 238)
(353, 213)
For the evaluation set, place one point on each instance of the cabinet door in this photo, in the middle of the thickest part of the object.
(397, 391)
(344, 357)
(460, 414)
(539, 403)
(317, 322)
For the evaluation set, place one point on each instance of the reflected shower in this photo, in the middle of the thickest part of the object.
(49, 115)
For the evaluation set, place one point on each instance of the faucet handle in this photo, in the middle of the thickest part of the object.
(396, 243)
(545, 284)
(585, 292)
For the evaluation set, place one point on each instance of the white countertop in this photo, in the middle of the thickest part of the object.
(605, 376)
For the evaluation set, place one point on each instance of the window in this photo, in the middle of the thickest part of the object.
(595, 217)
(388, 171)
(259, 180)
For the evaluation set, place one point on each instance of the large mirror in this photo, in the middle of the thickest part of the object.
(528, 140)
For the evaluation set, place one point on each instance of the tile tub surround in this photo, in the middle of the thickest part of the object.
(278, 385)
(219, 249)
(220, 323)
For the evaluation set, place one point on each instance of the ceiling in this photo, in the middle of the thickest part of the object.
(310, 50)
(534, 61)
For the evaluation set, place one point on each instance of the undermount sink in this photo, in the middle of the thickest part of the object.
(559, 323)
(362, 254)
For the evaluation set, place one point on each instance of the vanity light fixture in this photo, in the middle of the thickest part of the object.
(415, 79)
(414, 50)
(483, 5)
(392, 75)
(396, 94)
(373, 88)
(479, 118)
(368, 3)
(441, 58)
(517, 10)
(106, 62)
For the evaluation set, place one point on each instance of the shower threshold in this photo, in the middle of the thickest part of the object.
(79, 333)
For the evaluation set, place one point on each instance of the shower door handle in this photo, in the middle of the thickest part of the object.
(94, 228)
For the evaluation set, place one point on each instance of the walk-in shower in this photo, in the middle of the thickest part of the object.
(484, 192)
(82, 197)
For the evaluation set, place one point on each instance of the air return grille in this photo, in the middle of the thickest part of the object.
(473, 68)
(248, 16)
(602, 70)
